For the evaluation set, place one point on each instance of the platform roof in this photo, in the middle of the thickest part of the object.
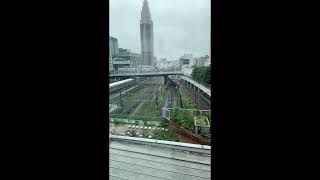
(120, 82)
(200, 86)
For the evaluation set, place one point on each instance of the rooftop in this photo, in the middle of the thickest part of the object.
(150, 159)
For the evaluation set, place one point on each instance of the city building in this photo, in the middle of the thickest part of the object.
(187, 60)
(120, 63)
(162, 63)
(175, 64)
(207, 62)
(187, 63)
(123, 51)
(203, 61)
(110, 60)
(114, 47)
(146, 35)
(134, 58)
(154, 61)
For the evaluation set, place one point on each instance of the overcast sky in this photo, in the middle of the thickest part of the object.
(179, 26)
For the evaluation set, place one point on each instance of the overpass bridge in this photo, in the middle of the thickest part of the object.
(141, 74)
(144, 74)
(187, 80)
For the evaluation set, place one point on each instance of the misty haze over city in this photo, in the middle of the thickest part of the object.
(179, 26)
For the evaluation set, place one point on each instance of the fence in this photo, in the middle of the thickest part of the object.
(206, 113)
(166, 113)
(133, 117)
(137, 120)
(188, 114)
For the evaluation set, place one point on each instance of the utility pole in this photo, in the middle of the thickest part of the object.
(120, 99)
(198, 101)
(195, 100)
(157, 103)
(139, 87)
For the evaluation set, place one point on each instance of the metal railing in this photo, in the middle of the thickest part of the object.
(134, 117)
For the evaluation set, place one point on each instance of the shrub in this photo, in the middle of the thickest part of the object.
(169, 135)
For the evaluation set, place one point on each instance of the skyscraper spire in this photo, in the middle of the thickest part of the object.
(145, 13)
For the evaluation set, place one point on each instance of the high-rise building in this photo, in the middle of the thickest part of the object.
(110, 59)
(146, 35)
(113, 44)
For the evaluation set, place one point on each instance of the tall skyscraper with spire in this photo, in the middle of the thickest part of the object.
(146, 35)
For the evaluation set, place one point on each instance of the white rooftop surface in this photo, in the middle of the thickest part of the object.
(203, 88)
(148, 161)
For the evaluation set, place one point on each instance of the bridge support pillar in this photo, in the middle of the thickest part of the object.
(165, 79)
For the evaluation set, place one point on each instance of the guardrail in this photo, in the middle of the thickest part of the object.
(203, 149)
(135, 117)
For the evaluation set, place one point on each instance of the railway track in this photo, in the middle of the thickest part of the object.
(156, 83)
(189, 135)
(172, 100)
(203, 102)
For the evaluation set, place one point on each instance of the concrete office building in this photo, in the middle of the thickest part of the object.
(134, 58)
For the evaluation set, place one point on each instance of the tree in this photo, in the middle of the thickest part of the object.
(175, 113)
(202, 74)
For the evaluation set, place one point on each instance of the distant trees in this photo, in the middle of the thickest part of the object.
(202, 74)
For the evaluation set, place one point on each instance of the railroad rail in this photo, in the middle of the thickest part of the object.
(188, 134)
